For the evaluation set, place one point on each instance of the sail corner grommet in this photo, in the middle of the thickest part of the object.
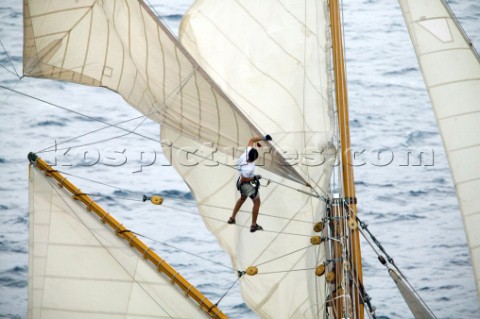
(252, 271)
(320, 270)
(316, 240)
(318, 227)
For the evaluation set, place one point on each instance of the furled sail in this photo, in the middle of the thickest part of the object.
(121, 45)
(272, 59)
(80, 267)
(451, 71)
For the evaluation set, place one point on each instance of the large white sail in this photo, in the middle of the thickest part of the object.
(272, 59)
(121, 45)
(451, 70)
(80, 268)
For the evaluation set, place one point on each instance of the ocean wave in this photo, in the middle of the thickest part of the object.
(419, 137)
(14, 277)
(401, 71)
(50, 123)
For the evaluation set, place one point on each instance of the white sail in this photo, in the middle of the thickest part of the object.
(79, 268)
(451, 70)
(121, 45)
(272, 59)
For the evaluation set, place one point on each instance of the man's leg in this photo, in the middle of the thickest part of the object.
(237, 207)
(256, 208)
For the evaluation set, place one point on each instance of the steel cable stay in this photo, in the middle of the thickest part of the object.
(108, 125)
(11, 63)
(285, 255)
(179, 249)
(46, 150)
(98, 141)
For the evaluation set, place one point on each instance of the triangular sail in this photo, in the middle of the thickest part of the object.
(79, 267)
(451, 70)
(121, 45)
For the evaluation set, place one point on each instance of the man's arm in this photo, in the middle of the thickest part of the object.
(254, 140)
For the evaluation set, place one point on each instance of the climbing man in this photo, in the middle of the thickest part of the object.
(248, 183)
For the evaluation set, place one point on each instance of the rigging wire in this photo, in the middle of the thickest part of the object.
(98, 141)
(240, 274)
(75, 112)
(284, 271)
(45, 150)
(11, 62)
(287, 254)
(8, 70)
(181, 250)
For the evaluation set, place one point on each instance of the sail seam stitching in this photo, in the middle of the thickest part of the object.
(459, 114)
(452, 82)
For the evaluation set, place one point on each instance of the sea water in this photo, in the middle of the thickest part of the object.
(408, 203)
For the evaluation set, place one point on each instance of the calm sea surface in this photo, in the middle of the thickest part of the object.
(410, 205)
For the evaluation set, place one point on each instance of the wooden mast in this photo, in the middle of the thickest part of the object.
(355, 258)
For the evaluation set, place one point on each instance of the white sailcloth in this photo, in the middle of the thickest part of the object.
(79, 268)
(272, 59)
(451, 71)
